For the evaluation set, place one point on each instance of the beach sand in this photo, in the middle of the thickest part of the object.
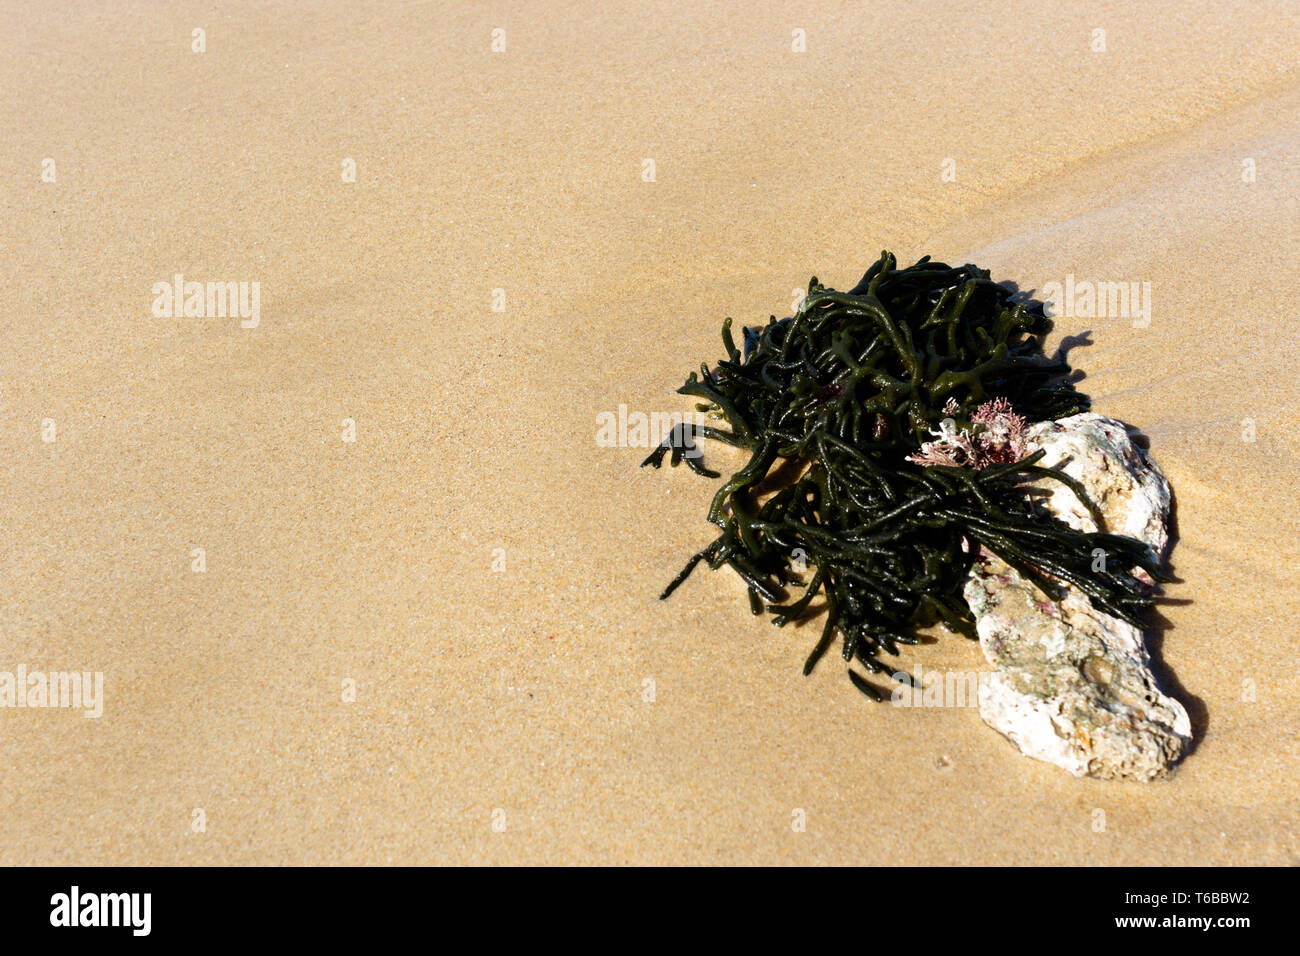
(482, 570)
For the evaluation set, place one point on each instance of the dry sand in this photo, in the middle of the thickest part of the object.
(523, 690)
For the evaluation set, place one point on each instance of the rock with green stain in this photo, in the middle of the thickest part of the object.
(1074, 685)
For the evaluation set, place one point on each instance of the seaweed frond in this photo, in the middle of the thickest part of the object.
(903, 404)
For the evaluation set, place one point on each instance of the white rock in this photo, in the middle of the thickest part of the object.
(1074, 685)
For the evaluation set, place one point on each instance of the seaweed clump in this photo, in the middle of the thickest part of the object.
(837, 406)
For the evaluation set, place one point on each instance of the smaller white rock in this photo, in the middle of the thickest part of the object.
(1074, 685)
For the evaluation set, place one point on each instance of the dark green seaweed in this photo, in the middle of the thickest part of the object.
(840, 394)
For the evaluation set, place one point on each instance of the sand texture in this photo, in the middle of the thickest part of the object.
(483, 570)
